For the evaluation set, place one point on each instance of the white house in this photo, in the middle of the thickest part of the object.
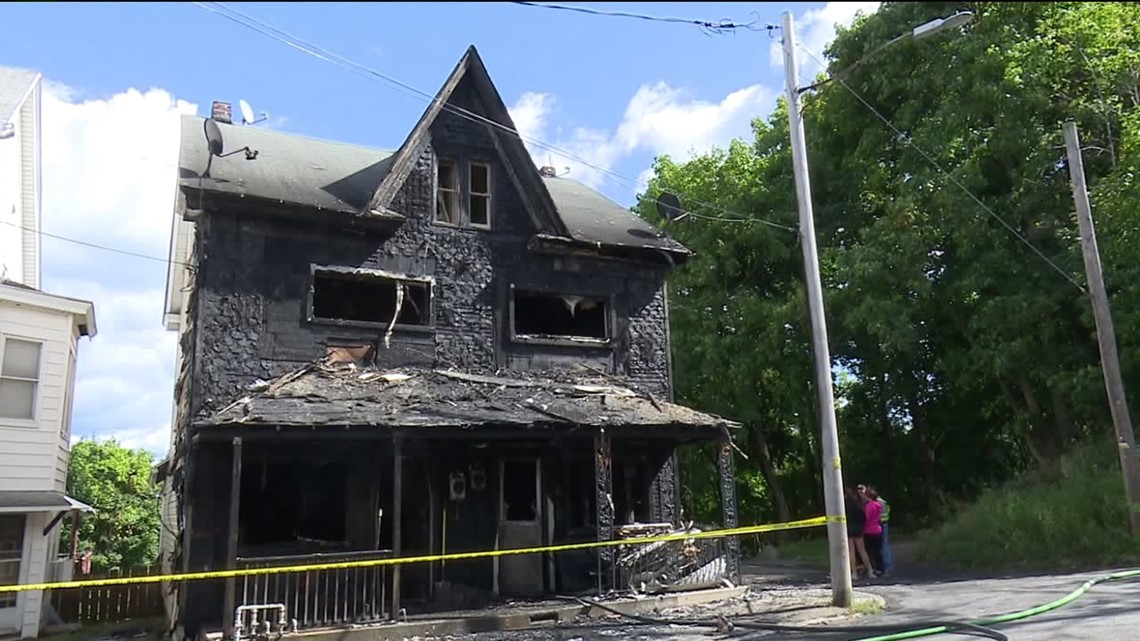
(39, 335)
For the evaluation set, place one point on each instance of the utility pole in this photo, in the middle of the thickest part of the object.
(1105, 334)
(839, 556)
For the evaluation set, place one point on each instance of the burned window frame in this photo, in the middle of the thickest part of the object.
(360, 272)
(463, 166)
(563, 340)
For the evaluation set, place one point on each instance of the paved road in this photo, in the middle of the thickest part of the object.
(1110, 612)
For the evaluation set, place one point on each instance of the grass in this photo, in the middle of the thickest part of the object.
(1072, 516)
(811, 552)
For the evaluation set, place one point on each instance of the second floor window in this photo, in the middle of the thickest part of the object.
(463, 193)
(19, 378)
(559, 317)
(357, 297)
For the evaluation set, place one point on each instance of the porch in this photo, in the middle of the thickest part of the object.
(274, 494)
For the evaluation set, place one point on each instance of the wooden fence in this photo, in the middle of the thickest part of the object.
(110, 604)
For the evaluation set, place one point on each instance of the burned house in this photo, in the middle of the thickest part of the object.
(435, 350)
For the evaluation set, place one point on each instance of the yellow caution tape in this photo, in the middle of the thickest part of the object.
(454, 556)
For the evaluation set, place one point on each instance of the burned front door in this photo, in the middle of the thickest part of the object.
(520, 490)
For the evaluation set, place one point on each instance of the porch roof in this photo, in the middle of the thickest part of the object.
(433, 398)
(20, 501)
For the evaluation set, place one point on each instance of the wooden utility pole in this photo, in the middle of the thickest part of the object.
(1105, 334)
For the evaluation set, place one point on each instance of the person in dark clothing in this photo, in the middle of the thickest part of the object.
(856, 519)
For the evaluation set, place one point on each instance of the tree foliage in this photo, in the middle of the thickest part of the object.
(116, 481)
(963, 355)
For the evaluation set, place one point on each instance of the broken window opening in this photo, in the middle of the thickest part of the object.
(479, 181)
(447, 198)
(292, 501)
(560, 316)
(370, 298)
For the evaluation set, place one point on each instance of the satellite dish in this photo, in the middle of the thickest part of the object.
(669, 206)
(213, 136)
(246, 112)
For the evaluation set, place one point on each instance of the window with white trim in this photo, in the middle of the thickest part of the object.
(447, 193)
(479, 194)
(19, 378)
(463, 193)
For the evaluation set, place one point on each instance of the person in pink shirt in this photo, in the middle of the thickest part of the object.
(872, 529)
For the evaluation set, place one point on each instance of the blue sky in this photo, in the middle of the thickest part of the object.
(612, 91)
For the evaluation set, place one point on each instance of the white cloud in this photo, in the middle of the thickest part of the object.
(109, 171)
(659, 119)
(815, 29)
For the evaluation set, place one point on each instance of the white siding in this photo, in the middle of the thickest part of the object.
(11, 207)
(33, 454)
(30, 181)
(34, 570)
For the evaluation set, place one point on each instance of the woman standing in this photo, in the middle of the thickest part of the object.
(856, 519)
(873, 528)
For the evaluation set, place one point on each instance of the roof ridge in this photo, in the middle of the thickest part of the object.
(298, 136)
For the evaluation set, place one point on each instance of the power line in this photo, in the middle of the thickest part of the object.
(721, 26)
(938, 166)
(318, 52)
(116, 250)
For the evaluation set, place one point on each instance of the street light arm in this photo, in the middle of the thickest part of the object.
(843, 73)
(926, 30)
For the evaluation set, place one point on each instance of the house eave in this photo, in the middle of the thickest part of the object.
(81, 311)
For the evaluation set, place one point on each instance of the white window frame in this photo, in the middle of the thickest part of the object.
(440, 190)
(487, 194)
(12, 421)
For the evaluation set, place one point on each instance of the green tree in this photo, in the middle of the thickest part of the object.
(116, 481)
(965, 355)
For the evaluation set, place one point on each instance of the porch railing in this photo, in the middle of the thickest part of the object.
(668, 566)
(319, 598)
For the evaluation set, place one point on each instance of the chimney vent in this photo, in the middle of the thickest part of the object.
(547, 171)
(222, 112)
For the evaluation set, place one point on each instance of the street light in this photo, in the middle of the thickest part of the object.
(840, 560)
(921, 32)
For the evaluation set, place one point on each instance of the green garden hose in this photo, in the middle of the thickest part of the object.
(892, 632)
(1013, 616)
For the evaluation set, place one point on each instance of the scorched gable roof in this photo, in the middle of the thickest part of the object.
(351, 179)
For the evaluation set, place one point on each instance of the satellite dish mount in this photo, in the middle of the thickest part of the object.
(247, 114)
(216, 145)
(669, 206)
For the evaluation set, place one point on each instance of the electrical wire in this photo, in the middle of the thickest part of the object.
(721, 26)
(116, 250)
(938, 166)
(320, 53)
(983, 626)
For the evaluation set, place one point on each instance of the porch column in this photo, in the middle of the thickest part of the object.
(232, 542)
(729, 518)
(397, 518)
(603, 489)
(663, 494)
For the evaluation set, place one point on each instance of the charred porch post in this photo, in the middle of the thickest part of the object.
(603, 488)
(397, 517)
(729, 518)
(232, 542)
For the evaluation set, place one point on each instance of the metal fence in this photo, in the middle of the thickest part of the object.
(320, 598)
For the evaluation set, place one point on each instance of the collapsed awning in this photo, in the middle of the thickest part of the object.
(15, 502)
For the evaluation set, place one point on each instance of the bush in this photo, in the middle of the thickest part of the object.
(1072, 515)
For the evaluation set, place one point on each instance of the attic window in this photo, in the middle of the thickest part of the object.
(559, 317)
(463, 193)
(369, 297)
(447, 198)
(479, 198)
